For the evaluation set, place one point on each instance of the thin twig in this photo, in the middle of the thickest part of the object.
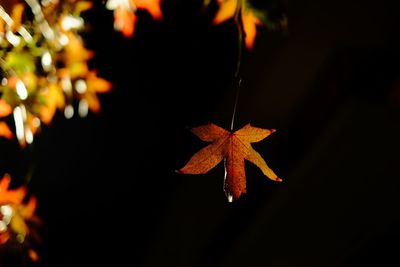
(236, 102)
(241, 34)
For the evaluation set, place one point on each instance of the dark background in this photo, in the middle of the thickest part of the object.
(106, 184)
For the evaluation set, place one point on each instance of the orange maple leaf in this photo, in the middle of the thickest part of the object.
(152, 6)
(125, 21)
(250, 22)
(5, 108)
(16, 15)
(16, 222)
(125, 13)
(95, 85)
(2, 30)
(5, 131)
(234, 148)
(14, 196)
(54, 99)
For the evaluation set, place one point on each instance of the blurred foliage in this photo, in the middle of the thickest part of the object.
(44, 66)
(18, 222)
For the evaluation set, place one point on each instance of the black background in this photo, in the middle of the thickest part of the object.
(106, 184)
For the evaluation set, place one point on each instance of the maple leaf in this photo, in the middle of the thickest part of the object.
(95, 85)
(16, 215)
(75, 51)
(22, 214)
(54, 99)
(234, 148)
(14, 196)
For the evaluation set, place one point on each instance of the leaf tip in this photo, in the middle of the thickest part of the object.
(278, 179)
(179, 171)
(273, 130)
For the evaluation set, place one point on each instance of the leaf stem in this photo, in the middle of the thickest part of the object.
(239, 24)
(236, 102)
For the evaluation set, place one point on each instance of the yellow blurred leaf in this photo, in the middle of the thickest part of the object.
(75, 50)
(2, 30)
(82, 6)
(93, 101)
(19, 226)
(54, 98)
(78, 69)
(16, 16)
(250, 22)
(226, 10)
(22, 214)
(30, 80)
(19, 62)
(96, 84)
